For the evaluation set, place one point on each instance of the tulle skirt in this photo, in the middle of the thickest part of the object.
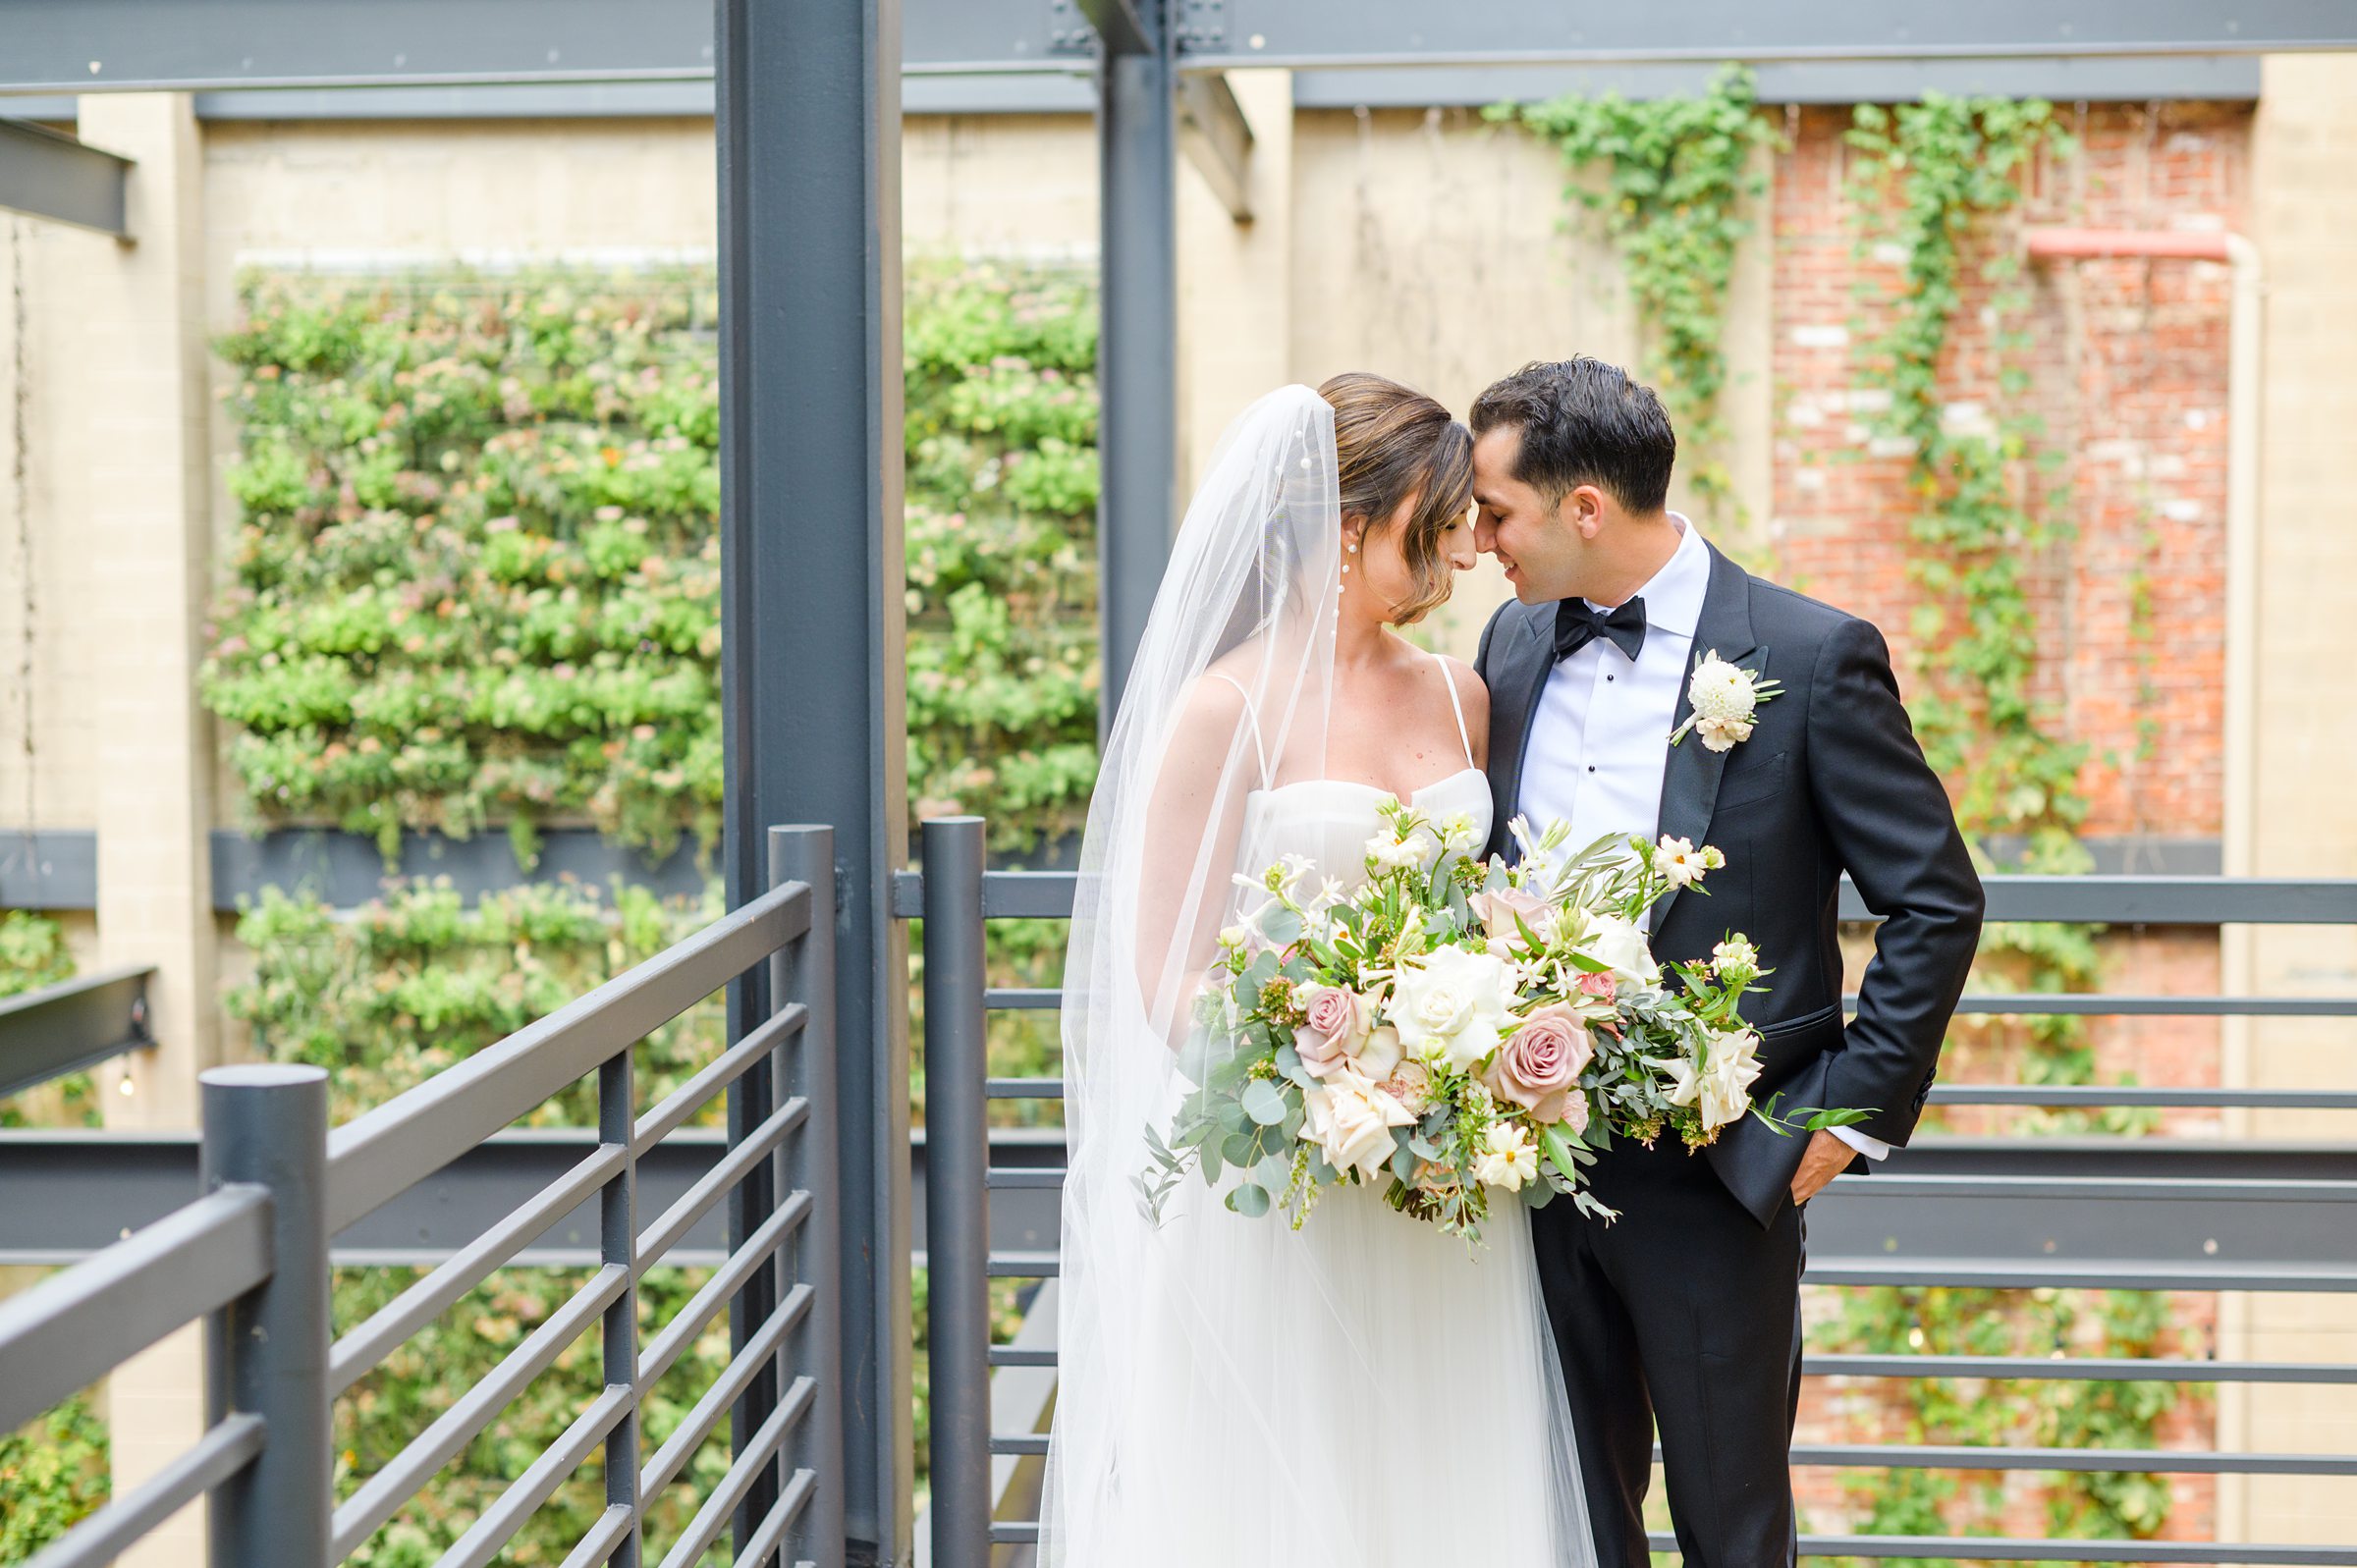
(1365, 1393)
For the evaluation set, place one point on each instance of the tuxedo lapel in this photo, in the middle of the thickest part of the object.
(1514, 697)
(1690, 780)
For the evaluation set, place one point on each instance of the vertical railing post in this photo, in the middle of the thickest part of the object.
(956, 1200)
(805, 972)
(618, 1243)
(266, 1126)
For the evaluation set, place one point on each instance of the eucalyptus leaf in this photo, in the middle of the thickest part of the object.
(1263, 1103)
(1251, 1200)
(1241, 1148)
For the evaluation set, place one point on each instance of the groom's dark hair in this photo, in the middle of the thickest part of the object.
(1585, 422)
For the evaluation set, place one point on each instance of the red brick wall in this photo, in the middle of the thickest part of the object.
(2128, 360)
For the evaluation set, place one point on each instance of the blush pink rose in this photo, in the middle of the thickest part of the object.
(1334, 1021)
(1598, 985)
(1539, 1065)
(1497, 912)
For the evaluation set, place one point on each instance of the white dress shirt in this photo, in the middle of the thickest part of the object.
(1600, 735)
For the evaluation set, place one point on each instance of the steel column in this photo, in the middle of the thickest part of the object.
(804, 973)
(1137, 346)
(618, 1243)
(808, 114)
(957, 1198)
(266, 1126)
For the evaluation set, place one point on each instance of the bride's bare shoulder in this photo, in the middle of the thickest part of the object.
(1471, 689)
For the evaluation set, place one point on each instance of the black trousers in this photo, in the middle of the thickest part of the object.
(1687, 1313)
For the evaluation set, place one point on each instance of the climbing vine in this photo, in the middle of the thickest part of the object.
(1933, 182)
(1676, 172)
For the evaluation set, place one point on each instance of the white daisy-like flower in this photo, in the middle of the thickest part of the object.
(1681, 864)
(1725, 696)
(1735, 959)
(1507, 1159)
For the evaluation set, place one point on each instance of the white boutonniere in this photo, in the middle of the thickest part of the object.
(1725, 697)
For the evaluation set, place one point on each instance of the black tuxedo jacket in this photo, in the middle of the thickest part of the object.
(1832, 780)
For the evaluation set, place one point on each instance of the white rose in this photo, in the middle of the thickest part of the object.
(1507, 1159)
(1351, 1120)
(1451, 1008)
(1725, 1088)
(1233, 938)
(1685, 1079)
(1620, 942)
(1379, 1053)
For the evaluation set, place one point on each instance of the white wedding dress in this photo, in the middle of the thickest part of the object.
(1401, 1383)
(1365, 1393)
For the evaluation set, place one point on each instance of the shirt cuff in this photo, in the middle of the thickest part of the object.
(1871, 1148)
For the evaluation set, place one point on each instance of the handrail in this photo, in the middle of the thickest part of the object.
(253, 1257)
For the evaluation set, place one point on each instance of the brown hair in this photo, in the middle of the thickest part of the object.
(1391, 443)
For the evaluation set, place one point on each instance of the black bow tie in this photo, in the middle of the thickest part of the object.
(1577, 623)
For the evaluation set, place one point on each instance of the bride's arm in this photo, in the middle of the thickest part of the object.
(1194, 819)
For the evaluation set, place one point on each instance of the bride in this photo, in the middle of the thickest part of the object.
(1365, 1393)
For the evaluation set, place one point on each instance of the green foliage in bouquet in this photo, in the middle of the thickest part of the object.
(1450, 1026)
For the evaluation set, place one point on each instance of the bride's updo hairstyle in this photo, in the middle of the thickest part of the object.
(1393, 442)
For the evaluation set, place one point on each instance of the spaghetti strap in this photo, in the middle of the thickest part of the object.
(1252, 719)
(1456, 706)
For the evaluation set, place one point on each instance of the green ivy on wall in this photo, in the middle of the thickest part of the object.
(1935, 179)
(1676, 172)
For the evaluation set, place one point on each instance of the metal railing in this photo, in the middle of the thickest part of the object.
(251, 1258)
(73, 1025)
(2003, 1213)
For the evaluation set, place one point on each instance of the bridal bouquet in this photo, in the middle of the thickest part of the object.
(1450, 1028)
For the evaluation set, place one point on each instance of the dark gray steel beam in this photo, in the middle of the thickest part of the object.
(344, 869)
(1216, 141)
(76, 1024)
(49, 869)
(807, 111)
(1120, 26)
(2169, 78)
(45, 174)
(1138, 349)
(1322, 34)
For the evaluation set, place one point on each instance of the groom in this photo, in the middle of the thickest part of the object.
(1686, 1309)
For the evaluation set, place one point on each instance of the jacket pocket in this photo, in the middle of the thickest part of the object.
(1753, 783)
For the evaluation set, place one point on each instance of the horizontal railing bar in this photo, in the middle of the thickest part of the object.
(2137, 1189)
(1984, 1548)
(2113, 900)
(106, 1535)
(360, 1351)
(374, 1159)
(1018, 1444)
(2199, 1098)
(2020, 1369)
(1009, 1356)
(2110, 1461)
(1023, 999)
(497, 1525)
(1024, 1088)
(716, 1075)
(713, 1294)
(1983, 1274)
(2099, 1005)
(71, 1026)
(1025, 1266)
(1972, 1548)
(2068, 1368)
(612, 1529)
(714, 1184)
(704, 1417)
(1015, 1176)
(73, 1327)
(772, 1532)
(724, 1498)
(382, 1495)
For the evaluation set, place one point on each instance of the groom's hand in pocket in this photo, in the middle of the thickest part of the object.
(1825, 1158)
